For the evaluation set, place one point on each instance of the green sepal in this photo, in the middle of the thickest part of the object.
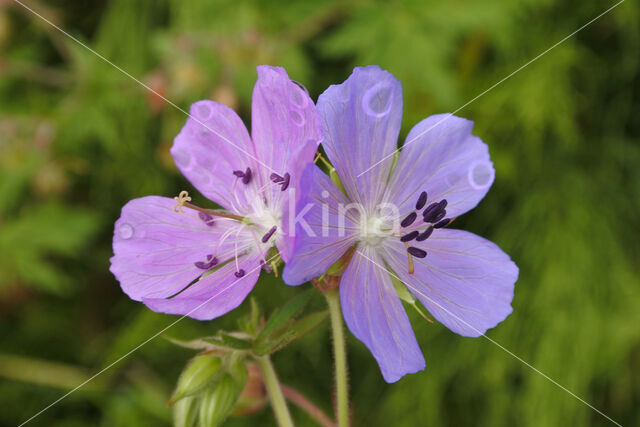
(407, 296)
(336, 180)
(200, 372)
(217, 403)
(402, 290)
(185, 412)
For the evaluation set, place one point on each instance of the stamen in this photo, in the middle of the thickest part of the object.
(409, 237)
(182, 199)
(442, 223)
(417, 252)
(429, 210)
(267, 236)
(435, 212)
(425, 234)
(422, 200)
(282, 180)
(239, 273)
(276, 178)
(265, 266)
(409, 219)
(212, 261)
(411, 270)
(441, 214)
(285, 184)
(206, 218)
(318, 155)
(246, 175)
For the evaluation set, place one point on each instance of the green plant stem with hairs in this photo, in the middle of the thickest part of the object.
(340, 357)
(278, 403)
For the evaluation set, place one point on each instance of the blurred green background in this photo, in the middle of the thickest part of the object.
(78, 139)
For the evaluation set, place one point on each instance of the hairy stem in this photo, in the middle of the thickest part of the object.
(305, 404)
(276, 397)
(340, 357)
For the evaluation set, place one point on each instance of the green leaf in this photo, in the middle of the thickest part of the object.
(226, 340)
(294, 332)
(280, 317)
(200, 372)
(251, 321)
(195, 344)
(185, 412)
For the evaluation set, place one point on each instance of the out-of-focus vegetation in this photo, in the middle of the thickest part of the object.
(78, 139)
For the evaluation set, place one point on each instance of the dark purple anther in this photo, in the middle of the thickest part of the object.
(441, 214)
(276, 178)
(247, 176)
(211, 262)
(265, 266)
(409, 219)
(267, 236)
(442, 223)
(432, 207)
(422, 200)
(208, 219)
(409, 237)
(287, 179)
(239, 273)
(417, 252)
(435, 212)
(425, 234)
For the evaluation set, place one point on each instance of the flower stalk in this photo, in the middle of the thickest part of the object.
(276, 398)
(340, 357)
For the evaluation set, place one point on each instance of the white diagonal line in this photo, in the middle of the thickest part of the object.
(415, 138)
(150, 89)
(491, 340)
(139, 346)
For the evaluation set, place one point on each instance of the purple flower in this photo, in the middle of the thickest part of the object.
(394, 212)
(201, 262)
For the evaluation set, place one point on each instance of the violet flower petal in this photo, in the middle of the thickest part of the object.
(208, 161)
(361, 122)
(374, 314)
(215, 294)
(466, 282)
(315, 252)
(285, 126)
(447, 161)
(155, 249)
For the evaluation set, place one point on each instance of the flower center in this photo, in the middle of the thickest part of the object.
(374, 229)
(266, 222)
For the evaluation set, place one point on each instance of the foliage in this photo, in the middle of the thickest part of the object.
(78, 139)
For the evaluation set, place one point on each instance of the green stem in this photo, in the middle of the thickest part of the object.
(340, 356)
(276, 397)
